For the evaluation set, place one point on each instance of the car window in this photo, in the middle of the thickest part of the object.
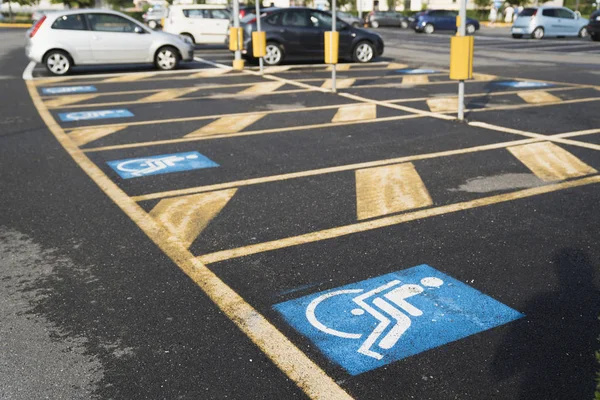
(74, 22)
(564, 13)
(196, 13)
(320, 20)
(111, 23)
(528, 12)
(294, 18)
(274, 19)
(219, 14)
(549, 12)
(435, 13)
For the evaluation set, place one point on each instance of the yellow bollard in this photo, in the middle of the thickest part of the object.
(461, 57)
(332, 40)
(236, 39)
(259, 44)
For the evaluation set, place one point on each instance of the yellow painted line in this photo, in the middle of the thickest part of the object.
(276, 69)
(339, 84)
(538, 97)
(388, 190)
(246, 133)
(443, 104)
(279, 349)
(84, 136)
(391, 220)
(415, 79)
(262, 88)
(14, 25)
(51, 81)
(209, 73)
(397, 66)
(129, 77)
(187, 216)
(355, 112)
(523, 106)
(329, 170)
(340, 67)
(484, 77)
(551, 163)
(71, 99)
(167, 95)
(227, 125)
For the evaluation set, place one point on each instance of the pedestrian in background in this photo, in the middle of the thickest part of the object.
(493, 15)
(509, 13)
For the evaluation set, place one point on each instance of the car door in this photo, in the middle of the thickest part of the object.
(118, 40)
(550, 22)
(220, 24)
(302, 39)
(72, 32)
(447, 21)
(321, 23)
(198, 23)
(568, 22)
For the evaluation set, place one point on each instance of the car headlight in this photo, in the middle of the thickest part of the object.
(598, 18)
(186, 39)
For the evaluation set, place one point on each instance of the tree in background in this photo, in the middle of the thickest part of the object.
(391, 5)
(339, 3)
(21, 3)
(75, 3)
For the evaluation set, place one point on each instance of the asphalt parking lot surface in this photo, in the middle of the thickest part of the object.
(210, 233)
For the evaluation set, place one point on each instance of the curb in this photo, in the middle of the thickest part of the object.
(496, 25)
(15, 25)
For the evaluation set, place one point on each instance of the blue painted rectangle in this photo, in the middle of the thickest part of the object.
(92, 115)
(523, 84)
(366, 325)
(161, 164)
(69, 89)
(416, 71)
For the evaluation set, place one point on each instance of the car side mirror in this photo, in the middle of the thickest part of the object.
(137, 29)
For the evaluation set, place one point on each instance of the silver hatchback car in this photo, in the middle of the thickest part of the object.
(83, 37)
(538, 22)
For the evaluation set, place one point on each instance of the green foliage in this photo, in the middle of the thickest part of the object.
(75, 3)
(339, 3)
(482, 3)
(137, 15)
(391, 5)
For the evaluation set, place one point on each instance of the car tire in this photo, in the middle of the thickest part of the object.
(363, 52)
(470, 29)
(404, 25)
(152, 24)
(58, 62)
(274, 54)
(190, 36)
(583, 32)
(374, 24)
(167, 58)
(516, 36)
(538, 33)
(428, 29)
(595, 37)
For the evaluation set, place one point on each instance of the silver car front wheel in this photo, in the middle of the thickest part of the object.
(152, 24)
(364, 52)
(58, 63)
(428, 29)
(470, 29)
(166, 58)
(538, 33)
(274, 54)
(583, 32)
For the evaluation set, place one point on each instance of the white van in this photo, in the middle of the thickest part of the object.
(201, 23)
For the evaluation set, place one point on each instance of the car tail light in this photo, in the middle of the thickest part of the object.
(534, 14)
(253, 20)
(242, 13)
(37, 26)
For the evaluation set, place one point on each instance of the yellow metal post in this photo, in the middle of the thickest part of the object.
(259, 44)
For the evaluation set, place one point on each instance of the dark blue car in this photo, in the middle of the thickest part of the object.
(440, 20)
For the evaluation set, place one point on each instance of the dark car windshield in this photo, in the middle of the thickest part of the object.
(528, 12)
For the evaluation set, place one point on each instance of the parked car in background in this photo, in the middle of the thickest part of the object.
(349, 19)
(154, 16)
(375, 19)
(538, 22)
(207, 24)
(430, 21)
(63, 39)
(298, 33)
(593, 27)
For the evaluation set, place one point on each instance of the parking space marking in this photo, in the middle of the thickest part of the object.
(484, 77)
(262, 88)
(523, 106)
(389, 189)
(339, 67)
(356, 112)
(415, 79)
(443, 104)
(187, 216)
(390, 221)
(62, 101)
(84, 135)
(277, 68)
(209, 73)
(275, 345)
(227, 125)
(397, 66)
(538, 97)
(551, 163)
(130, 77)
(167, 95)
(339, 83)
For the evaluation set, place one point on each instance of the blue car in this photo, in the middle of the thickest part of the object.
(440, 20)
(538, 22)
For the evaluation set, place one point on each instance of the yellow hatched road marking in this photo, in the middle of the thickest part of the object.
(389, 189)
(397, 66)
(262, 88)
(166, 95)
(538, 97)
(550, 162)
(484, 77)
(415, 79)
(443, 104)
(339, 84)
(227, 125)
(46, 81)
(84, 135)
(129, 77)
(340, 67)
(356, 112)
(276, 69)
(209, 73)
(187, 216)
(282, 352)
(72, 99)
(390, 221)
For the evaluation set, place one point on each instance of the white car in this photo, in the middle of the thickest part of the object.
(83, 37)
(207, 24)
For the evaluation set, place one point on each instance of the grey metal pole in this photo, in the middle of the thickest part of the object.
(333, 27)
(236, 24)
(461, 84)
(260, 59)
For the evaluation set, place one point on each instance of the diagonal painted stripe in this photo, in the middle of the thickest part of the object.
(550, 162)
(209, 73)
(415, 79)
(169, 94)
(339, 84)
(538, 97)
(340, 67)
(262, 88)
(85, 136)
(187, 216)
(276, 69)
(230, 124)
(129, 77)
(396, 66)
(443, 104)
(65, 100)
(355, 112)
(45, 81)
(389, 189)
(484, 77)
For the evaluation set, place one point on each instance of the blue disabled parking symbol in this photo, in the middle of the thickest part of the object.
(91, 115)
(365, 325)
(523, 84)
(69, 89)
(416, 71)
(161, 164)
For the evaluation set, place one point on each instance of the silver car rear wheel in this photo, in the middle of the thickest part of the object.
(274, 54)
(58, 63)
(583, 32)
(364, 52)
(470, 29)
(428, 29)
(374, 24)
(152, 24)
(166, 58)
(538, 33)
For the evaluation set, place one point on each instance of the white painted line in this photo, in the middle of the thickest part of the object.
(27, 73)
